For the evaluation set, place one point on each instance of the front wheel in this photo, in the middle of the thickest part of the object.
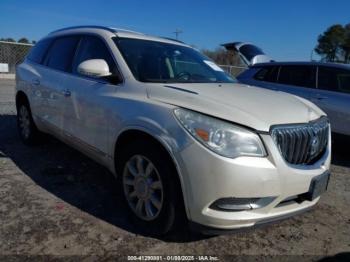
(150, 188)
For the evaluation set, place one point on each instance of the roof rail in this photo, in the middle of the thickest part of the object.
(172, 39)
(85, 26)
(125, 31)
(110, 29)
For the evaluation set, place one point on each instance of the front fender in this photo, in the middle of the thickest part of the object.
(173, 138)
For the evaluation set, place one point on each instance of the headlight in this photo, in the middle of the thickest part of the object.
(219, 136)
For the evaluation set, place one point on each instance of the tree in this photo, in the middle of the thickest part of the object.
(346, 44)
(23, 40)
(8, 39)
(331, 43)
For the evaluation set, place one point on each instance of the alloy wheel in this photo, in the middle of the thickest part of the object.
(24, 121)
(143, 187)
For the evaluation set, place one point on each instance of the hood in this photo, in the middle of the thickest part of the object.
(246, 105)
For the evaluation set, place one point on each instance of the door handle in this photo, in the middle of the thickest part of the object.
(66, 93)
(36, 82)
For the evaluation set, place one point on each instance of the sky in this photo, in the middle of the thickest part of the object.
(285, 30)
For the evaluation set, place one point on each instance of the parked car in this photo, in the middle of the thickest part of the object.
(185, 141)
(325, 84)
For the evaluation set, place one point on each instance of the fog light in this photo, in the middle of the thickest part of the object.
(240, 204)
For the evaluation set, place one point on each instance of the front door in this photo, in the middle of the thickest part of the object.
(91, 97)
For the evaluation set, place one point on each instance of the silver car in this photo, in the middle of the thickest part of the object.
(325, 84)
(185, 140)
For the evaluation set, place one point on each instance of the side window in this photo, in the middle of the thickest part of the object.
(38, 52)
(334, 79)
(298, 76)
(267, 73)
(92, 47)
(61, 53)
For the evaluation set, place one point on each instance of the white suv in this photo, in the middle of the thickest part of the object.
(182, 137)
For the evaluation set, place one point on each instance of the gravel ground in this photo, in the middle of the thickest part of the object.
(54, 201)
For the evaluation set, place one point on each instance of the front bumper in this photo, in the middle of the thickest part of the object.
(206, 230)
(209, 177)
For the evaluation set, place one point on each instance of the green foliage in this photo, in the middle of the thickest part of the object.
(8, 39)
(23, 40)
(346, 44)
(334, 44)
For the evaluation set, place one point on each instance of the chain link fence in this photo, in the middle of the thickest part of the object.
(11, 54)
(233, 69)
(7, 97)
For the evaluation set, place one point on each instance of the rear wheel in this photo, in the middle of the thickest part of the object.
(27, 130)
(150, 188)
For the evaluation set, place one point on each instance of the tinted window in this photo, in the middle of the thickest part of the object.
(334, 79)
(38, 52)
(61, 53)
(297, 75)
(93, 48)
(268, 73)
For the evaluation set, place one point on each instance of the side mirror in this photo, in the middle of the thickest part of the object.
(94, 68)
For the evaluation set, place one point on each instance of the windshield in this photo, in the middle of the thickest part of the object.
(158, 62)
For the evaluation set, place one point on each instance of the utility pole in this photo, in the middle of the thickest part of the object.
(177, 32)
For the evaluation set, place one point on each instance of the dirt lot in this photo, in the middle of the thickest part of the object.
(55, 201)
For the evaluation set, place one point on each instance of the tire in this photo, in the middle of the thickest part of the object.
(157, 186)
(27, 129)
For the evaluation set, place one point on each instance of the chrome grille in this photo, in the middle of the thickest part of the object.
(302, 143)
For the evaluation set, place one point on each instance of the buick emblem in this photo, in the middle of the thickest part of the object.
(315, 144)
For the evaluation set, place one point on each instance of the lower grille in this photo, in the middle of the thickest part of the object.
(302, 143)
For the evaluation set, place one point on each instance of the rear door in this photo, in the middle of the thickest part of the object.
(34, 75)
(299, 80)
(57, 64)
(333, 96)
